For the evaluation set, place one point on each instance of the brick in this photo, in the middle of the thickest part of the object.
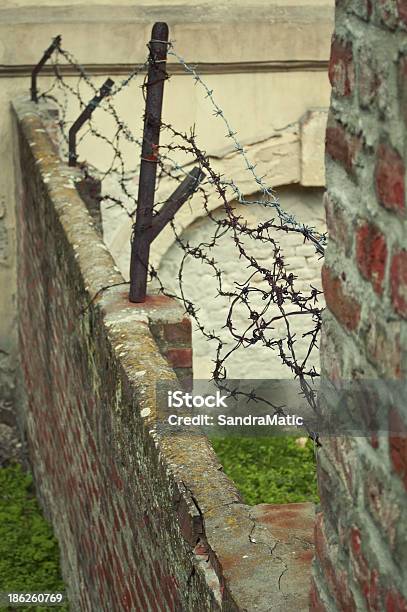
(371, 254)
(372, 591)
(126, 599)
(296, 262)
(356, 540)
(402, 10)
(367, 578)
(343, 146)
(395, 602)
(343, 306)
(389, 178)
(306, 250)
(342, 593)
(115, 478)
(341, 67)
(398, 282)
(180, 357)
(178, 333)
(398, 445)
(316, 604)
(291, 239)
(306, 273)
(171, 592)
(337, 580)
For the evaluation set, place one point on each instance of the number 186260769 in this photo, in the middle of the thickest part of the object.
(32, 598)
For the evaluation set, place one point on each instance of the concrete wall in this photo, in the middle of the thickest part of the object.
(145, 517)
(361, 532)
(274, 65)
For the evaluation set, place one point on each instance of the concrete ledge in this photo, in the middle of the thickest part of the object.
(140, 515)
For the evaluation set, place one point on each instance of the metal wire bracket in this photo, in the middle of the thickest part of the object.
(84, 116)
(37, 69)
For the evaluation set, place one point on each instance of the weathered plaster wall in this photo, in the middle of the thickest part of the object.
(361, 533)
(274, 64)
(145, 518)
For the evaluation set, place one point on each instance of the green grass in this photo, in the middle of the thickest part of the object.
(269, 470)
(29, 555)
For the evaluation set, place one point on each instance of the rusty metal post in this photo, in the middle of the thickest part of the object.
(140, 248)
(182, 193)
(47, 54)
(84, 116)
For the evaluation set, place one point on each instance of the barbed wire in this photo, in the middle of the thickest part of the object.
(319, 240)
(273, 297)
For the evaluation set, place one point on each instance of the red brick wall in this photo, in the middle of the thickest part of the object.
(361, 531)
(125, 530)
